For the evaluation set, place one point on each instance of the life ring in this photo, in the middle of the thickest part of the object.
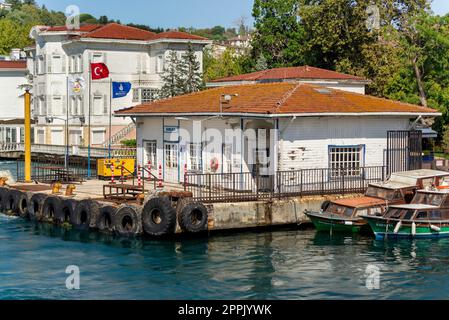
(127, 221)
(193, 217)
(159, 217)
(214, 164)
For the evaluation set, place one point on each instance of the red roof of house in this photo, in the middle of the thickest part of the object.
(304, 72)
(13, 64)
(178, 35)
(276, 98)
(83, 28)
(118, 31)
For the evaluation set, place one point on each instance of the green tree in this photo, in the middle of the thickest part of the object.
(278, 34)
(13, 35)
(171, 78)
(226, 65)
(190, 71)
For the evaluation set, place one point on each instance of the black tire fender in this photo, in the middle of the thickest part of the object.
(159, 217)
(35, 206)
(51, 210)
(127, 221)
(194, 217)
(67, 210)
(22, 200)
(85, 214)
(3, 192)
(104, 219)
(9, 202)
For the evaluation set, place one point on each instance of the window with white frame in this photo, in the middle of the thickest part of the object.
(57, 106)
(160, 63)
(80, 63)
(148, 95)
(151, 152)
(98, 108)
(136, 95)
(98, 136)
(171, 156)
(195, 156)
(56, 63)
(346, 160)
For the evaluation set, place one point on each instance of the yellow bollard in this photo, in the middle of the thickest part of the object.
(56, 188)
(27, 136)
(69, 190)
(3, 181)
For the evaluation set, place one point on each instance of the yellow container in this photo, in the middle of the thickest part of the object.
(105, 168)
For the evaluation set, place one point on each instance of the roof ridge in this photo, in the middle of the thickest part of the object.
(286, 96)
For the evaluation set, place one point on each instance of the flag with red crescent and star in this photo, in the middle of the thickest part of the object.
(99, 71)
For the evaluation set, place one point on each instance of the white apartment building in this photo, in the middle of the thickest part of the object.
(12, 75)
(131, 55)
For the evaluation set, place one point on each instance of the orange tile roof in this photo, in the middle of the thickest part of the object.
(304, 72)
(276, 98)
(83, 28)
(118, 31)
(21, 64)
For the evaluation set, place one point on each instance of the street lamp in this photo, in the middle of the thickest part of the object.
(51, 119)
(225, 98)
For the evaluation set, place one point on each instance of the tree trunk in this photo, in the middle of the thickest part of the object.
(422, 92)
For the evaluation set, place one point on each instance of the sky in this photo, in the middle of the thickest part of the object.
(177, 13)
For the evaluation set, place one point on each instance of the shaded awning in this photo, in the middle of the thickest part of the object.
(428, 133)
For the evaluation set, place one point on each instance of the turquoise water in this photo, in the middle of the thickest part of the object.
(288, 264)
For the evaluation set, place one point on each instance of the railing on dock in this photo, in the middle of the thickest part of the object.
(73, 150)
(247, 186)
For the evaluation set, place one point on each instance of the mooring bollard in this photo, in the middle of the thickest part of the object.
(139, 176)
(112, 172)
(122, 173)
(160, 185)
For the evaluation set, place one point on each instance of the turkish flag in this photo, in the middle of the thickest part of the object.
(99, 71)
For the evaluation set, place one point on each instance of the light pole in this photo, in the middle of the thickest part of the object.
(27, 129)
(51, 119)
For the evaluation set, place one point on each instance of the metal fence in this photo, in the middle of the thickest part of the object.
(51, 168)
(73, 150)
(240, 187)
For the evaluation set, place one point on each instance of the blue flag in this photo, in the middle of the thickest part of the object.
(120, 89)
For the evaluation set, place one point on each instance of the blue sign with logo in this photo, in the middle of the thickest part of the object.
(120, 89)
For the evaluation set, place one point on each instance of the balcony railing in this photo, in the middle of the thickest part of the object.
(239, 187)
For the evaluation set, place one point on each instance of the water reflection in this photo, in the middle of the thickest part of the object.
(287, 264)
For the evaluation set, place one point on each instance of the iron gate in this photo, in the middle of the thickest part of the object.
(404, 151)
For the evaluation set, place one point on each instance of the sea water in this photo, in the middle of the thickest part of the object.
(285, 264)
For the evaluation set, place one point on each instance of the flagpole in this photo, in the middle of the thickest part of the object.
(88, 125)
(66, 164)
(110, 118)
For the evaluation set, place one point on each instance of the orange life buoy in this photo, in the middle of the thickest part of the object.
(214, 164)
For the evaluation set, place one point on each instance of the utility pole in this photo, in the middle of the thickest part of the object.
(27, 135)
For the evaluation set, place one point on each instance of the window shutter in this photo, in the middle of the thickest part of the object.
(81, 63)
(64, 105)
(49, 101)
(63, 63)
(105, 104)
(48, 60)
(139, 64)
(81, 103)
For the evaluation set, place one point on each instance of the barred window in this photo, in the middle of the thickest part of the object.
(148, 95)
(136, 95)
(346, 160)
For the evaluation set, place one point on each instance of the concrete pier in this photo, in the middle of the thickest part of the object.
(221, 216)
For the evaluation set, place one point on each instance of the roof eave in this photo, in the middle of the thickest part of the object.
(282, 115)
